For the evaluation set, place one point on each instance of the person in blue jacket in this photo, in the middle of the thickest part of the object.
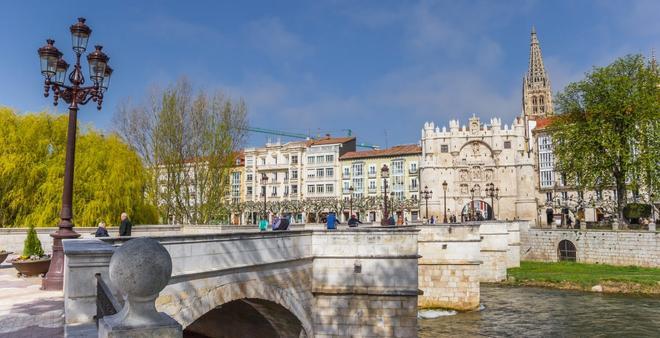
(332, 221)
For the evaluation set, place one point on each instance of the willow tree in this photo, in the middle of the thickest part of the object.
(189, 141)
(607, 134)
(109, 176)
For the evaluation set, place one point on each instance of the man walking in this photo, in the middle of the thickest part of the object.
(125, 226)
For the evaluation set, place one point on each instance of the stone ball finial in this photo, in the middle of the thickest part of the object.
(141, 267)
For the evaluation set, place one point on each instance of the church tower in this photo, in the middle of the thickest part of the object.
(537, 94)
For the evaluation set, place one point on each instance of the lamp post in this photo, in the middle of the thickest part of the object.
(426, 194)
(493, 193)
(444, 191)
(350, 201)
(384, 173)
(264, 180)
(471, 209)
(54, 70)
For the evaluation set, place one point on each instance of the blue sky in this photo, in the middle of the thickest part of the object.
(380, 68)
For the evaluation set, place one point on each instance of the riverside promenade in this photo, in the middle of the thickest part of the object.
(25, 310)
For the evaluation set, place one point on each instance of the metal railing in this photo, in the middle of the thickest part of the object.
(106, 303)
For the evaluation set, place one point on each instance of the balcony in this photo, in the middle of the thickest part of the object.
(372, 175)
(413, 170)
(372, 190)
(346, 175)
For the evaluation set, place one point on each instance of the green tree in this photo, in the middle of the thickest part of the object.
(189, 143)
(607, 134)
(109, 176)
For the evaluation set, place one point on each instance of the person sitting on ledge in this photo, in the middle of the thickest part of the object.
(101, 231)
(353, 221)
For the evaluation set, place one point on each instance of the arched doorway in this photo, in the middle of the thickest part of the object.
(566, 251)
(246, 318)
(480, 210)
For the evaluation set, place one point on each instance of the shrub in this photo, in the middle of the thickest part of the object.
(637, 210)
(32, 244)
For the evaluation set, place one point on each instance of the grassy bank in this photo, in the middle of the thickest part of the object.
(579, 276)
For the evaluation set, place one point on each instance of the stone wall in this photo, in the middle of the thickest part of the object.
(639, 248)
(513, 253)
(494, 250)
(11, 239)
(449, 266)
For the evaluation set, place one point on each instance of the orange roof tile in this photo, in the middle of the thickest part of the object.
(542, 123)
(405, 149)
(330, 140)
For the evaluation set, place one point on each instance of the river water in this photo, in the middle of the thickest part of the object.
(538, 312)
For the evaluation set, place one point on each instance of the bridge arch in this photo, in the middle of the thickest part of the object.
(253, 295)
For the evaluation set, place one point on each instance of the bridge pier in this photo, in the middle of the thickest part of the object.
(449, 267)
(494, 250)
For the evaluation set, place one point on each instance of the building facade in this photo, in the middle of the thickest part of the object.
(361, 171)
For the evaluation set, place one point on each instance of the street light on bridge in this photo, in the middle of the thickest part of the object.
(385, 174)
(426, 194)
(54, 70)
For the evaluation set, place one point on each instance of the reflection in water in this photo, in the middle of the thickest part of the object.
(536, 312)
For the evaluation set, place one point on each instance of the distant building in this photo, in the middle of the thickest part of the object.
(361, 170)
(322, 178)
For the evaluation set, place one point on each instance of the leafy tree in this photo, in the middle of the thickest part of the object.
(188, 142)
(109, 177)
(607, 134)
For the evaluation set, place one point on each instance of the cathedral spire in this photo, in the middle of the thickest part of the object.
(537, 94)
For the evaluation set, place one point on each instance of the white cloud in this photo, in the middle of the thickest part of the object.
(271, 37)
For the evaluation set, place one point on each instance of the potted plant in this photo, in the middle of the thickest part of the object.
(4, 254)
(33, 262)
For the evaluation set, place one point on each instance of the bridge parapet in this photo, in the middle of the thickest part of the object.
(350, 282)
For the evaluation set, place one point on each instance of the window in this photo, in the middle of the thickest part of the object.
(372, 170)
(248, 191)
(294, 159)
(548, 197)
(235, 178)
(413, 183)
(358, 185)
(413, 167)
(357, 169)
(329, 188)
(372, 184)
(248, 177)
(319, 159)
(310, 159)
(319, 188)
(397, 167)
(311, 189)
(507, 144)
(294, 174)
(319, 172)
(262, 160)
(294, 189)
(263, 191)
(249, 161)
(274, 191)
(286, 190)
(564, 195)
(444, 148)
(329, 158)
(347, 186)
(347, 171)
(329, 172)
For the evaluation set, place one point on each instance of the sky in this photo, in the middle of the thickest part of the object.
(379, 68)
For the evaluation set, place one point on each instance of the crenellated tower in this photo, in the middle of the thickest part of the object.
(537, 93)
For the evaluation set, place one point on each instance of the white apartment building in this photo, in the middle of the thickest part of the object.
(322, 168)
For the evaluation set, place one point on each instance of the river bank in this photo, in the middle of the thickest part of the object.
(586, 277)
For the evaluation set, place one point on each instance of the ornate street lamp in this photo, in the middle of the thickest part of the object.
(444, 190)
(493, 193)
(471, 209)
(350, 201)
(54, 70)
(264, 180)
(385, 174)
(426, 194)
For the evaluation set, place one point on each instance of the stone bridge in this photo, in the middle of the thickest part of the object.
(300, 283)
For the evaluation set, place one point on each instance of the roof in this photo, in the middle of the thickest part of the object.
(542, 123)
(330, 140)
(240, 158)
(400, 150)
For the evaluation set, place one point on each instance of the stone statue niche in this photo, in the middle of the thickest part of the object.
(476, 173)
